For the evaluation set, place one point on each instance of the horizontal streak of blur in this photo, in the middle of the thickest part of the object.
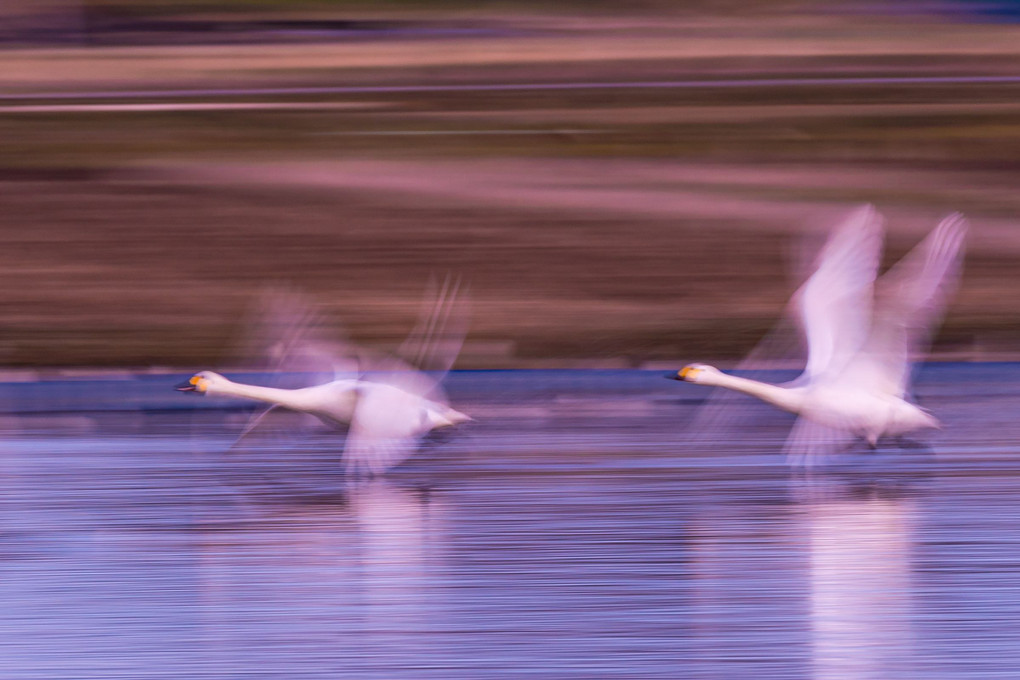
(522, 87)
(620, 187)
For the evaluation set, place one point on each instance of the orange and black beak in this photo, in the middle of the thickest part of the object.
(189, 385)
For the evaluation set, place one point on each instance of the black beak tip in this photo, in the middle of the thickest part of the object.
(185, 386)
(671, 376)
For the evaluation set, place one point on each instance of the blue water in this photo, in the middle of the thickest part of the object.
(577, 529)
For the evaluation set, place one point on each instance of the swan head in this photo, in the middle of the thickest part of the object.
(696, 373)
(200, 382)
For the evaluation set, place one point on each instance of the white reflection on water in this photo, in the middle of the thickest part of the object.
(347, 573)
(860, 575)
(393, 527)
(746, 588)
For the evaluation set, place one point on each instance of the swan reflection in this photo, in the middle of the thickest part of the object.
(392, 532)
(860, 582)
(352, 569)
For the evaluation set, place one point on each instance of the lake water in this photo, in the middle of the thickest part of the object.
(577, 529)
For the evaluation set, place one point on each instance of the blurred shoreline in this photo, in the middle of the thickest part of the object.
(597, 227)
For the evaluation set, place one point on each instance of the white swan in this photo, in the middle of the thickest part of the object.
(386, 410)
(861, 337)
(384, 420)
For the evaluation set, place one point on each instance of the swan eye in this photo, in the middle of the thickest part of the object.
(200, 383)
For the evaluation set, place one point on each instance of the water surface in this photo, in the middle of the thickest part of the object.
(576, 530)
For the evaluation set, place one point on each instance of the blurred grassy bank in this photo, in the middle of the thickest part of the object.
(622, 224)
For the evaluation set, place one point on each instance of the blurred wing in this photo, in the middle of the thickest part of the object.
(909, 303)
(436, 340)
(429, 352)
(254, 422)
(834, 305)
(739, 419)
(385, 430)
(810, 443)
(367, 455)
(286, 338)
(274, 426)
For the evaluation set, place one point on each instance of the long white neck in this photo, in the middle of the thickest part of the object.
(785, 398)
(272, 395)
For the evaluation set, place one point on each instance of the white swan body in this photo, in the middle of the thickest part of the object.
(860, 335)
(863, 413)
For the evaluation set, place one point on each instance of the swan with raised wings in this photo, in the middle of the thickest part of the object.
(861, 337)
(386, 408)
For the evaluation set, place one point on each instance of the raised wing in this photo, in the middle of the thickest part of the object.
(909, 302)
(428, 353)
(287, 336)
(828, 316)
(287, 339)
(435, 342)
(834, 305)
